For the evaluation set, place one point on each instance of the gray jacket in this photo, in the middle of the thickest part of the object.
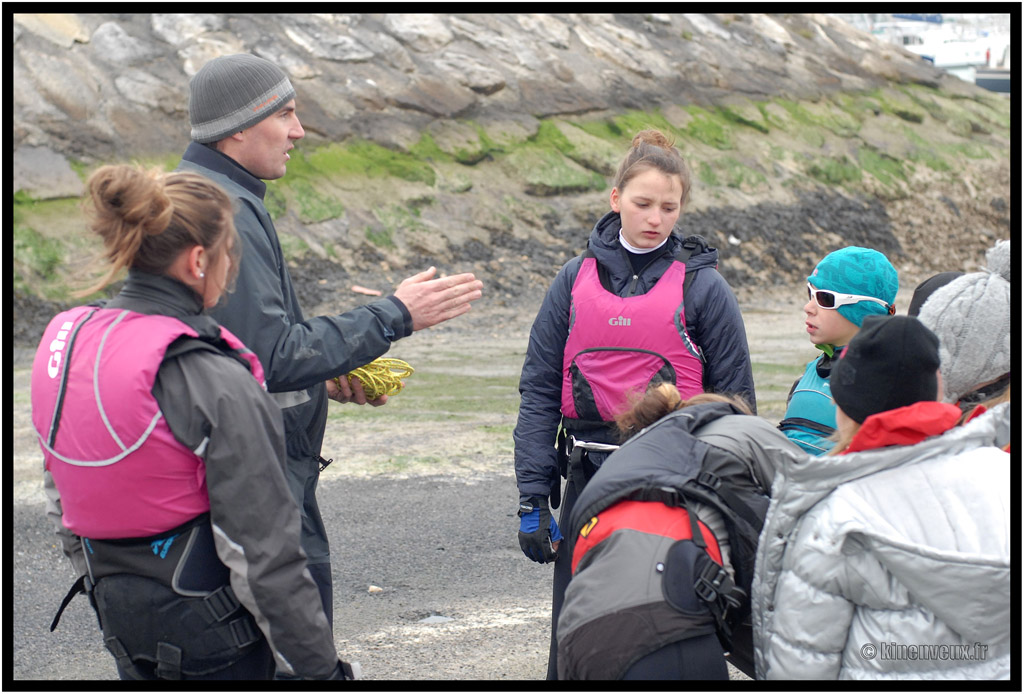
(751, 440)
(889, 563)
(615, 608)
(298, 354)
(206, 395)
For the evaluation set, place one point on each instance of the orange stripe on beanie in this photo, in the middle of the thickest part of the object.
(235, 92)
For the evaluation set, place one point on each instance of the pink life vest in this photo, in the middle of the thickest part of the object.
(619, 345)
(119, 470)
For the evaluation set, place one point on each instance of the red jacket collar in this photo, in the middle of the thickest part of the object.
(904, 426)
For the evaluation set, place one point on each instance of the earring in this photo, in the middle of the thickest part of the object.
(202, 275)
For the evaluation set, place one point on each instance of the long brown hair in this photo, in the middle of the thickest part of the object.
(997, 399)
(664, 399)
(146, 218)
(843, 442)
(652, 149)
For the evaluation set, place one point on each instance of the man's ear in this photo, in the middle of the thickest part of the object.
(228, 144)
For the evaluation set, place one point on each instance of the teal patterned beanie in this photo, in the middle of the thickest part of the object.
(856, 270)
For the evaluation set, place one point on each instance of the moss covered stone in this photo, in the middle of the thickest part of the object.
(833, 170)
(587, 150)
(546, 172)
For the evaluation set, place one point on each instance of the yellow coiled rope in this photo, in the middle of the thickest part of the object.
(382, 376)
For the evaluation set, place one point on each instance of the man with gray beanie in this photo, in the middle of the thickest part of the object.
(244, 123)
(971, 316)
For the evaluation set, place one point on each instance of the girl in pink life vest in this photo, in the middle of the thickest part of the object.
(163, 452)
(642, 305)
(900, 539)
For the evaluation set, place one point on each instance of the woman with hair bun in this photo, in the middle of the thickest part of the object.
(163, 454)
(642, 305)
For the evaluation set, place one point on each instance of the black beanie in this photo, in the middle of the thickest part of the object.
(891, 362)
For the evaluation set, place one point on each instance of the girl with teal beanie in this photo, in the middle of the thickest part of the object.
(847, 286)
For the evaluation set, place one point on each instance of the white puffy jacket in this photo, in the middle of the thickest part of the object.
(889, 563)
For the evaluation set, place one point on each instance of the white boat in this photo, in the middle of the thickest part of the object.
(994, 79)
(995, 76)
(940, 44)
(973, 53)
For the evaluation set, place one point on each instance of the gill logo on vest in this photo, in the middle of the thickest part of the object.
(618, 321)
(56, 347)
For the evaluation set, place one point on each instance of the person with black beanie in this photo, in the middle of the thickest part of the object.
(890, 554)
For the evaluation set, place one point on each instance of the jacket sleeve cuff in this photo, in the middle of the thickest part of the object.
(406, 316)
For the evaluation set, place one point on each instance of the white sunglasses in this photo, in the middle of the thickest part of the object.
(825, 298)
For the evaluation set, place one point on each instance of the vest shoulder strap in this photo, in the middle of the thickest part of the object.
(690, 244)
(218, 345)
(602, 271)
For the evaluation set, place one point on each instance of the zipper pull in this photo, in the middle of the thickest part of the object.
(632, 287)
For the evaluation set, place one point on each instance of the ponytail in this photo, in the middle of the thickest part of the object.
(664, 399)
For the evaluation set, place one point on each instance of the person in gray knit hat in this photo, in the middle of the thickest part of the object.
(971, 316)
(233, 93)
(244, 125)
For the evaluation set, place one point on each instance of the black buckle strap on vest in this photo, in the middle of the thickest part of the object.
(710, 582)
(168, 661)
(222, 603)
(696, 536)
(577, 471)
(82, 585)
(124, 660)
(322, 462)
(723, 597)
(243, 632)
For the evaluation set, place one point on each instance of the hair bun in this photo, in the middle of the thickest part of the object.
(653, 137)
(135, 197)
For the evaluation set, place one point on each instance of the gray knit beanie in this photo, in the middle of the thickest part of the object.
(971, 316)
(235, 92)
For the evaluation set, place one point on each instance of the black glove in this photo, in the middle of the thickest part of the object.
(538, 530)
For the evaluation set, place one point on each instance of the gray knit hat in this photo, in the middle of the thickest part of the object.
(235, 92)
(971, 316)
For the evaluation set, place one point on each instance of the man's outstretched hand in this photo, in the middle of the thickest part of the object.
(431, 301)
